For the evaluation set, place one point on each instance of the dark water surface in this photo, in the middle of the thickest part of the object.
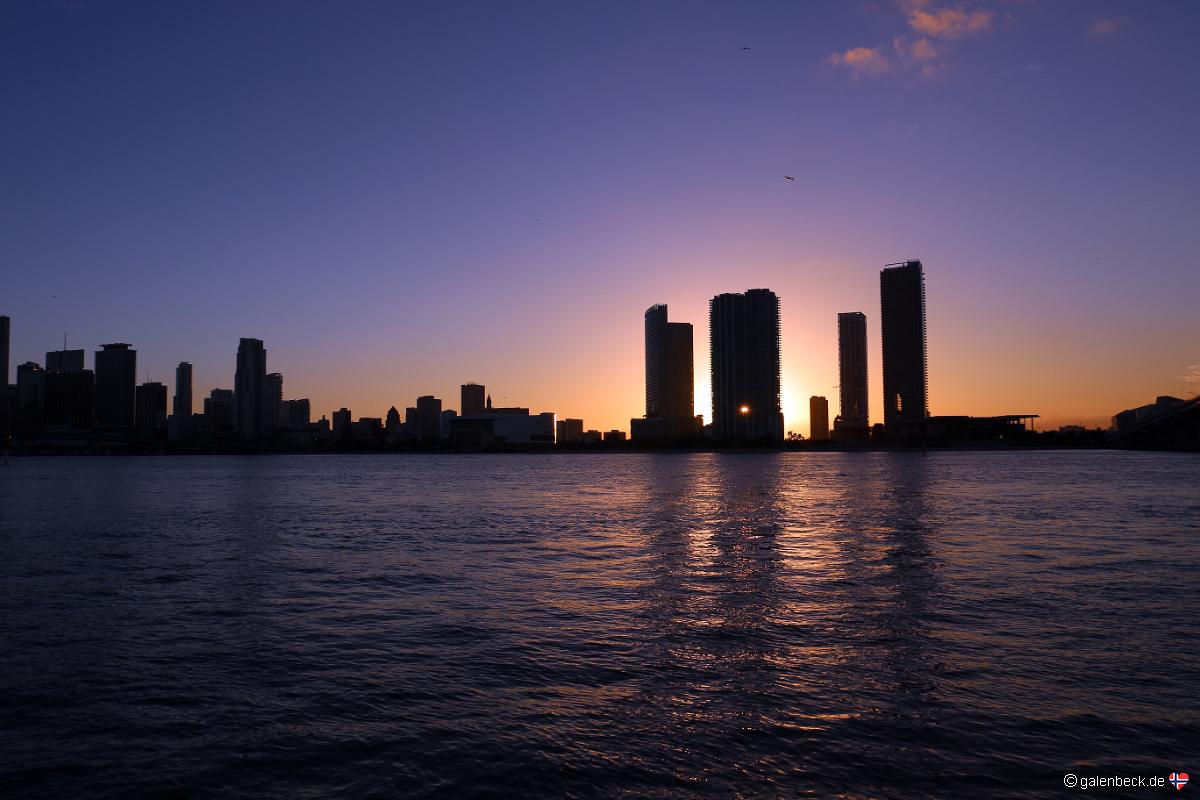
(863, 625)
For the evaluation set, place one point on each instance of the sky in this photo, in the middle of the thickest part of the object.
(402, 197)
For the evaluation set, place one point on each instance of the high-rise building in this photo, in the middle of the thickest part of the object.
(905, 392)
(116, 375)
(250, 390)
(273, 408)
(818, 418)
(218, 411)
(296, 413)
(31, 397)
(5, 400)
(852, 422)
(69, 391)
(151, 409)
(569, 431)
(69, 396)
(64, 361)
(341, 424)
(745, 358)
(472, 398)
(179, 425)
(429, 418)
(182, 403)
(670, 382)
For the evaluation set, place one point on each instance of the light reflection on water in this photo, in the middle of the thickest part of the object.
(654, 625)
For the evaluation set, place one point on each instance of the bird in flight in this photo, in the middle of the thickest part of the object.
(788, 177)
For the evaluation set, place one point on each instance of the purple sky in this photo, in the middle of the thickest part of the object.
(400, 198)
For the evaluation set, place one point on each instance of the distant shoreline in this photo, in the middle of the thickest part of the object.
(226, 450)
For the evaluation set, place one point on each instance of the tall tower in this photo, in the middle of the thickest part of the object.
(852, 422)
(250, 389)
(181, 405)
(670, 380)
(4, 398)
(116, 378)
(179, 424)
(902, 303)
(273, 405)
(472, 399)
(745, 358)
(429, 419)
(818, 418)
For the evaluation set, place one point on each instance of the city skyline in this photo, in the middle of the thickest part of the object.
(391, 228)
(745, 323)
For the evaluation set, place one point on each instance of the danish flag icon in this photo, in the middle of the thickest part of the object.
(1178, 780)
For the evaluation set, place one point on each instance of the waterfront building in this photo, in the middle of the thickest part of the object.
(69, 391)
(341, 424)
(151, 404)
(852, 422)
(116, 376)
(905, 375)
(218, 411)
(31, 397)
(273, 405)
(569, 431)
(69, 399)
(504, 427)
(250, 390)
(429, 419)
(818, 419)
(179, 425)
(64, 360)
(5, 399)
(296, 413)
(472, 398)
(670, 381)
(745, 363)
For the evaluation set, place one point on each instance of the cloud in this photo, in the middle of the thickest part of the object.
(860, 61)
(922, 50)
(951, 22)
(927, 53)
(1105, 27)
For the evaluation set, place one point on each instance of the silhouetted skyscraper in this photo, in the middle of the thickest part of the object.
(341, 424)
(31, 397)
(568, 431)
(69, 399)
(116, 376)
(181, 406)
(429, 418)
(151, 409)
(218, 411)
(472, 398)
(64, 361)
(5, 399)
(179, 425)
(69, 390)
(274, 403)
(818, 418)
(670, 381)
(296, 413)
(852, 422)
(902, 302)
(250, 389)
(744, 345)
